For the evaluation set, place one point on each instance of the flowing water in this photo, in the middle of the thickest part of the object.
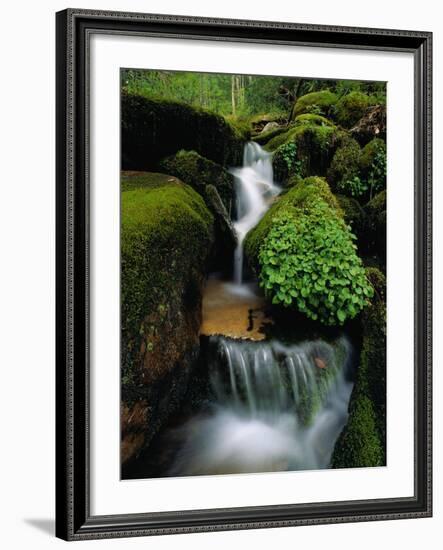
(276, 408)
(255, 189)
(270, 406)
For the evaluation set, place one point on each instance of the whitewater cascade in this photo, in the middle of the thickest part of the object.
(277, 407)
(255, 189)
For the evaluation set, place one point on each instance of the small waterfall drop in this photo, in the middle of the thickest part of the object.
(255, 189)
(277, 407)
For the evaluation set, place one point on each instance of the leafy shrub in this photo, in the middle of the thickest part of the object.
(308, 259)
(355, 187)
(288, 152)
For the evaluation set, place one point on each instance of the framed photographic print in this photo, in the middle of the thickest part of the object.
(243, 274)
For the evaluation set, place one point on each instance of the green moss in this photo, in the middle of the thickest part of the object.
(373, 165)
(350, 108)
(198, 172)
(305, 256)
(309, 118)
(166, 236)
(363, 440)
(315, 102)
(345, 165)
(359, 445)
(369, 152)
(354, 215)
(152, 129)
(264, 137)
(375, 228)
(314, 147)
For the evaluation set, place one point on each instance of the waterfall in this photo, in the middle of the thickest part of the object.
(276, 407)
(255, 189)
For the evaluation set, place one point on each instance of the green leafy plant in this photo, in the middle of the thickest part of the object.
(308, 260)
(377, 173)
(355, 186)
(289, 155)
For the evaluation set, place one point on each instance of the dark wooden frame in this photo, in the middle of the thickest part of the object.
(73, 518)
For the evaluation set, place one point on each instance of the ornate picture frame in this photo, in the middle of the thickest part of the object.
(74, 520)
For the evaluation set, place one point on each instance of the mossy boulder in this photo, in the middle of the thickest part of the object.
(152, 129)
(362, 442)
(375, 226)
(264, 137)
(166, 238)
(350, 108)
(198, 172)
(319, 103)
(369, 153)
(345, 166)
(306, 150)
(373, 165)
(305, 256)
(354, 215)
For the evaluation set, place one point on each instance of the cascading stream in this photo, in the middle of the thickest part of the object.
(255, 189)
(277, 407)
(273, 406)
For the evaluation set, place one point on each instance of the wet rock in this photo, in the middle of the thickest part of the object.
(270, 126)
(371, 125)
(167, 233)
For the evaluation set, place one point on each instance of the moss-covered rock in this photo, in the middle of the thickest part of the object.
(350, 108)
(198, 172)
(319, 103)
(225, 235)
(310, 118)
(305, 256)
(305, 150)
(353, 214)
(166, 238)
(345, 166)
(373, 165)
(375, 227)
(152, 129)
(369, 154)
(264, 137)
(363, 440)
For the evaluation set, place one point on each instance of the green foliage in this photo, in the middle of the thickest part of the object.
(318, 103)
(306, 256)
(359, 173)
(354, 186)
(350, 108)
(373, 165)
(314, 147)
(288, 153)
